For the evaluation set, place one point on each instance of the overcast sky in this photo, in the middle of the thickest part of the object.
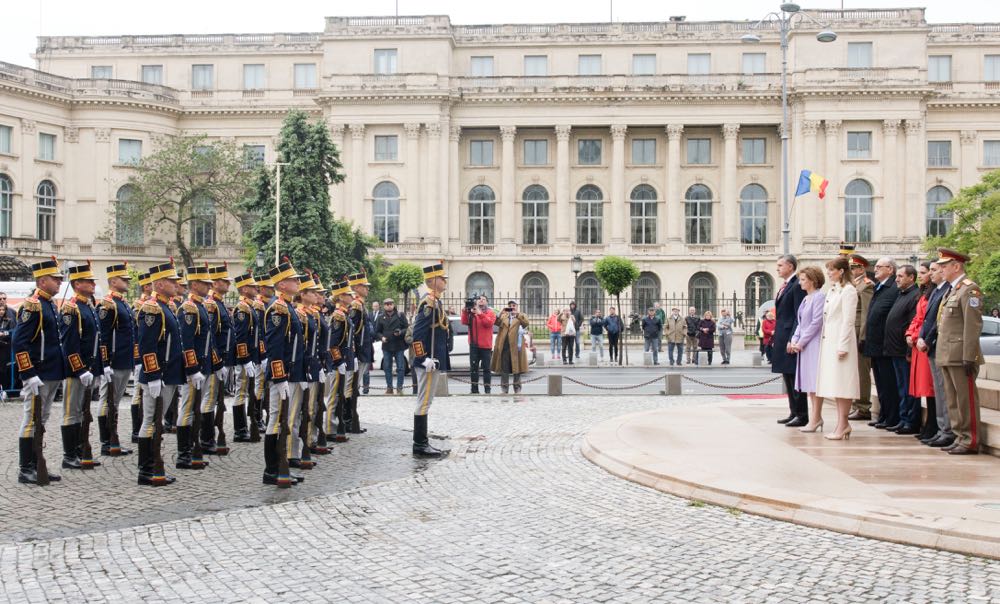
(23, 20)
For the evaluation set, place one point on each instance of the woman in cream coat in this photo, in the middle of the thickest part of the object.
(838, 356)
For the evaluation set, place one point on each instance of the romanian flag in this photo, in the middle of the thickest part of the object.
(810, 181)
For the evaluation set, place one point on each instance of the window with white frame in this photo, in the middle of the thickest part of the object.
(643, 64)
(698, 215)
(202, 223)
(858, 212)
(588, 152)
(385, 60)
(859, 145)
(991, 68)
(699, 63)
(479, 284)
(536, 152)
(535, 215)
(938, 221)
(589, 65)
(859, 55)
(481, 67)
(753, 214)
(754, 151)
(151, 74)
(536, 65)
(6, 132)
(589, 215)
(101, 72)
(45, 203)
(939, 68)
(991, 153)
(939, 154)
(202, 77)
(699, 150)
(481, 153)
(129, 151)
(482, 215)
(253, 76)
(385, 210)
(386, 147)
(643, 151)
(47, 146)
(128, 217)
(304, 76)
(253, 156)
(6, 205)
(753, 63)
(642, 212)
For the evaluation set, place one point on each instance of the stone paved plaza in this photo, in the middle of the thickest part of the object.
(515, 514)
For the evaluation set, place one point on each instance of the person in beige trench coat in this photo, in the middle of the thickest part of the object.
(509, 354)
(838, 376)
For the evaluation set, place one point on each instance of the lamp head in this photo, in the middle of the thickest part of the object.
(790, 7)
(827, 35)
(750, 38)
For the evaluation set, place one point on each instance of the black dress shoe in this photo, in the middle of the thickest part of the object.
(797, 422)
(873, 423)
(908, 430)
(786, 420)
(942, 442)
(893, 427)
(859, 415)
(881, 426)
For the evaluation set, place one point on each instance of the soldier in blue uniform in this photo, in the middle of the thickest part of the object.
(145, 294)
(196, 333)
(321, 359)
(430, 354)
(299, 456)
(162, 365)
(245, 353)
(40, 360)
(222, 359)
(364, 351)
(117, 349)
(265, 298)
(79, 330)
(340, 361)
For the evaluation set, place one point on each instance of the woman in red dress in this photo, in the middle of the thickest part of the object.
(921, 382)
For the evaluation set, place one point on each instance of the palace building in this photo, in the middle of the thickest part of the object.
(508, 149)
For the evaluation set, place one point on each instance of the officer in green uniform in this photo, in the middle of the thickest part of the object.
(862, 408)
(430, 355)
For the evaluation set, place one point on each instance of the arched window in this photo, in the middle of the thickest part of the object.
(759, 289)
(6, 205)
(479, 284)
(203, 222)
(589, 296)
(589, 215)
(938, 222)
(645, 292)
(482, 215)
(858, 212)
(385, 212)
(698, 215)
(753, 214)
(535, 215)
(643, 213)
(701, 292)
(45, 200)
(128, 218)
(535, 295)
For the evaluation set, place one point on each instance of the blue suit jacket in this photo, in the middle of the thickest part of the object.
(786, 308)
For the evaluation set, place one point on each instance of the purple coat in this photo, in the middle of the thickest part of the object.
(807, 335)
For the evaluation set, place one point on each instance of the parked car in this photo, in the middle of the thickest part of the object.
(989, 339)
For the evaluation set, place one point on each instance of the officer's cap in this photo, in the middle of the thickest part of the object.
(81, 272)
(198, 273)
(435, 270)
(163, 271)
(118, 270)
(46, 268)
(245, 279)
(951, 256)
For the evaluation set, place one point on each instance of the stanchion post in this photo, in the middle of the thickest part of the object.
(756, 359)
(673, 384)
(441, 385)
(555, 384)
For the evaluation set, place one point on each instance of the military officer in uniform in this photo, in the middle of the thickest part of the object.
(170, 415)
(117, 348)
(222, 361)
(317, 367)
(264, 299)
(364, 351)
(40, 361)
(866, 289)
(246, 354)
(960, 323)
(340, 361)
(300, 455)
(430, 354)
(196, 334)
(79, 330)
(145, 287)
(162, 369)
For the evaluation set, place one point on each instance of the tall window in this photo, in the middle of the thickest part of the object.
(6, 204)
(698, 215)
(45, 200)
(753, 63)
(385, 60)
(304, 76)
(643, 64)
(203, 222)
(859, 55)
(202, 77)
(754, 151)
(759, 289)
(152, 74)
(129, 151)
(645, 293)
(589, 65)
(536, 65)
(535, 294)
(859, 145)
(991, 153)
(858, 212)
(479, 284)
(386, 148)
(938, 222)
(535, 214)
(699, 63)
(991, 68)
(589, 215)
(481, 153)
(699, 150)
(643, 215)
(101, 72)
(701, 292)
(128, 218)
(482, 215)
(939, 153)
(385, 211)
(253, 156)
(536, 152)
(46, 146)
(5, 139)
(643, 151)
(590, 296)
(481, 67)
(253, 77)
(753, 214)
(939, 68)
(588, 151)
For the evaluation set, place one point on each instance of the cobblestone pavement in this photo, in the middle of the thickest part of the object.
(515, 514)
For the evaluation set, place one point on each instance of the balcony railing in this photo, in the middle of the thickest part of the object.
(666, 82)
(760, 249)
(403, 247)
(48, 44)
(86, 87)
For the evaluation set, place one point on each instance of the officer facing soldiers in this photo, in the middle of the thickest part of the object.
(958, 354)
(79, 331)
(246, 354)
(364, 350)
(340, 344)
(117, 348)
(40, 362)
(145, 289)
(196, 334)
(862, 408)
(430, 355)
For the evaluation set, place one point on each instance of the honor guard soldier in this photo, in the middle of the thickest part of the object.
(40, 362)
(958, 354)
(118, 344)
(430, 354)
(79, 330)
(196, 333)
(145, 287)
(364, 351)
(283, 335)
(170, 415)
(340, 344)
(162, 369)
(317, 438)
(245, 354)
(866, 289)
(299, 456)
(216, 382)
(265, 298)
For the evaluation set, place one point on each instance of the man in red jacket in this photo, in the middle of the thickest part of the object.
(480, 319)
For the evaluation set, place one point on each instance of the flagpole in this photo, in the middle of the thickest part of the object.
(785, 210)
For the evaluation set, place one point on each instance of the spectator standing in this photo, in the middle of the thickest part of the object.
(480, 319)
(568, 335)
(676, 329)
(921, 380)
(597, 325)
(555, 333)
(927, 342)
(783, 360)
(509, 354)
(651, 330)
(873, 343)
(366, 378)
(900, 316)
(390, 329)
(838, 362)
(725, 327)
(706, 336)
(691, 335)
(767, 335)
(805, 343)
(614, 326)
(578, 321)
(662, 316)
(8, 320)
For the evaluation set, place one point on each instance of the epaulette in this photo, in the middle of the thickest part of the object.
(241, 305)
(108, 302)
(190, 307)
(428, 300)
(302, 314)
(339, 315)
(150, 306)
(967, 282)
(31, 304)
(281, 309)
(69, 307)
(356, 305)
(258, 305)
(210, 305)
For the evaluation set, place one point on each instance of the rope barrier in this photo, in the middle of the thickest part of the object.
(658, 378)
(606, 387)
(730, 387)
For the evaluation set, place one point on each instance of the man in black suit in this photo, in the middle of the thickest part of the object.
(786, 308)
(927, 342)
(873, 346)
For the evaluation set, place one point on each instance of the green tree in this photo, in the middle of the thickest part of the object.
(403, 278)
(190, 192)
(615, 274)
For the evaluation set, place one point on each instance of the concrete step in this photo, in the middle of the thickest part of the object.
(991, 370)
(989, 394)
(989, 423)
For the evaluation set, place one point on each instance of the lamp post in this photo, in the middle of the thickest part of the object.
(788, 12)
(913, 260)
(260, 260)
(576, 265)
(277, 215)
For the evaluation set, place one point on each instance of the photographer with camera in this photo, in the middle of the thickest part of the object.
(509, 354)
(390, 329)
(478, 315)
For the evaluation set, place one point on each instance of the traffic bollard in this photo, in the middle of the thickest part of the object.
(555, 384)
(673, 384)
(756, 359)
(441, 385)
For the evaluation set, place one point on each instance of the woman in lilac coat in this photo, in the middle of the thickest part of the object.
(805, 342)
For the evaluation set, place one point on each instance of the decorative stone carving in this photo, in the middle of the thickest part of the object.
(434, 129)
(968, 137)
(536, 179)
(412, 130)
(358, 131)
(337, 131)
(590, 179)
(730, 131)
(482, 180)
(507, 133)
(158, 141)
(810, 127)
(618, 132)
(562, 133)
(890, 127)
(29, 126)
(832, 126)
(674, 131)
(914, 127)
(102, 135)
(454, 133)
(72, 134)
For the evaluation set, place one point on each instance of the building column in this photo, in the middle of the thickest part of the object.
(562, 217)
(730, 214)
(803, 221)
(833, 205)
(339, 201)
(430, 225)
(507, 216)
(674, 204)
(454, 184)
(411, 213)
(617, 206)
(888, 215)
(914, 210)
(65, 226)
(357, 201)
(969, 168)
(443, 184)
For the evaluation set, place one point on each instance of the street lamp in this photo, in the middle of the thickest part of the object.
(260, 260)
(914, 259)
(789, 10)
(277, 215)
(576, 265)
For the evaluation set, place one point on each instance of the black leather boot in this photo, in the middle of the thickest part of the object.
(208, 433)
(118, 449)
(146, 462)
(170, 417)
(355, 425)
(104, 434)
(241, 433)
(69, 436)
(136, 411)
(184, 445)
(26, 472)
(86, 463)
(421, 446)
(271, 459)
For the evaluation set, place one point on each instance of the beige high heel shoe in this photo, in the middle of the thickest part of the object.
(818, 426)
(846, 435)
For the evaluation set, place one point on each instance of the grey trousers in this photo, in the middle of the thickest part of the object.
(120, 381)
(426, 385)
(725, 344)
(149, 409)
(73, 395)
(941, 405)
(210, 392)
(333, 385)
(46, 394)
(244, 384)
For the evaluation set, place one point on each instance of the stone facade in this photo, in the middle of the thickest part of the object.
(508, 149)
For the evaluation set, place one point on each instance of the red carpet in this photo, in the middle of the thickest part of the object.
(745, 397)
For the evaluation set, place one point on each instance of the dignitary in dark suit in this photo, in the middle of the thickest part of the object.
(927, 342)
(873, 345)
(786, 307)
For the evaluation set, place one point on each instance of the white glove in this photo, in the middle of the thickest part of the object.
(430, 365)
(342, 369)
(284, 390)
(3, 395)
(263, 363)
(223, 374)
(86, 378)
(322, 375)
(109, 373)
(30, 387)
(197, 379)
(250, 370)
(155, 387)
